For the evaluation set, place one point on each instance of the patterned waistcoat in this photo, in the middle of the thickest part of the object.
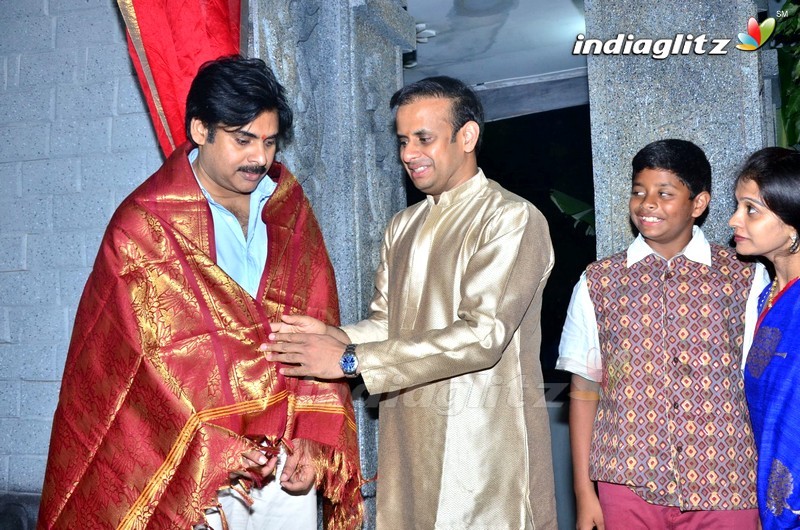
(672, 421)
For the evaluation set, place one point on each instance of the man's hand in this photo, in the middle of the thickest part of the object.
(299, 473)
(306, 354)
(298, 324)
(258, 464)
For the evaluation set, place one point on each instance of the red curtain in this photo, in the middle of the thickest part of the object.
(168, 41)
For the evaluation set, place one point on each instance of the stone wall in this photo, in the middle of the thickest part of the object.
(714, 101)
(341, 62)
(75, 139)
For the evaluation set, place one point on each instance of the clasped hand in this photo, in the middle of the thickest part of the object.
(299, 473)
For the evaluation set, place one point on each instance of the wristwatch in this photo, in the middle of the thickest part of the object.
(349, 362)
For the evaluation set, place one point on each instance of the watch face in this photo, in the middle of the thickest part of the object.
(348, 363)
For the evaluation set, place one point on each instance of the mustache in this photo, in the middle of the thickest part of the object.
(253, 169)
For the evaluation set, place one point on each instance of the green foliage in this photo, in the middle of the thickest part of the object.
(787, 41)
(580, 211)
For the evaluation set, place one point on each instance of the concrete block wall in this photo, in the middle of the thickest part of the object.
(75, 139)
(716, 102)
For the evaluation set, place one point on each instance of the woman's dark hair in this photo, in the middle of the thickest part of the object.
(776, 172)
(464, 104)
(232, 91)
(681, 157)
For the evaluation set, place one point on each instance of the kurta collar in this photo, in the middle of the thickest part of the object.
(461, 192)
(698, 249)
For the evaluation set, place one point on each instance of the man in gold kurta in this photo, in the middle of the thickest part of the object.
(452, 339)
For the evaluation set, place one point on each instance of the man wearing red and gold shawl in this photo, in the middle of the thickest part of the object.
(165, 391)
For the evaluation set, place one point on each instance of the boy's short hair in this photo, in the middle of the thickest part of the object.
(776, 172)
(681, 157)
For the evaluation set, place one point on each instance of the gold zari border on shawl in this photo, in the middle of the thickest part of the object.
(176, 453)
(135, 33)
(327, 409)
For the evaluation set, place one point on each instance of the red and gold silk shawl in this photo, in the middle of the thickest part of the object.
(164, 386)
(168, 40)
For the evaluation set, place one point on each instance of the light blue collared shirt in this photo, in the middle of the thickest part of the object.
(241, 259)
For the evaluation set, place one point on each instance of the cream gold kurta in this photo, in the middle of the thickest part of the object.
(452, 344)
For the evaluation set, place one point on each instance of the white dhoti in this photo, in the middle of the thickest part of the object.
(273, 508)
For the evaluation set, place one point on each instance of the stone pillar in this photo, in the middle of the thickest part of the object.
(340, 61)
(713, 100)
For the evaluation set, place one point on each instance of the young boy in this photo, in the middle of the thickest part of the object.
(654, 338)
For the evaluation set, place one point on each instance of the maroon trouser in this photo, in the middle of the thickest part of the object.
(624, 510)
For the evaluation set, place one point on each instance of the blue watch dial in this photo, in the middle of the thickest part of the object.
(349, 362)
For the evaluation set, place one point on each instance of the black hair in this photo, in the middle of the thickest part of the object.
(233, 91)
(776, 172)
(681, 157)
(464, 104)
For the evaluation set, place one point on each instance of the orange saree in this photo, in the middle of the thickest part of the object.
(164, 386)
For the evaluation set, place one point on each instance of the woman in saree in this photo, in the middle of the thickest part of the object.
(766, 223)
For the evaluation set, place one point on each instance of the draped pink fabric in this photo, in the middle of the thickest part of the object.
(168, 41)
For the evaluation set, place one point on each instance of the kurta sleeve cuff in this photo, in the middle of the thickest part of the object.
(370, 363)
(366, 334)
(365, 331)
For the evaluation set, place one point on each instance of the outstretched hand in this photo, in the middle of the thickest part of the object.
(305, 354)
(298, 324)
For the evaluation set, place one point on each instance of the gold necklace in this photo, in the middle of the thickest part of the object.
(772, 292)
